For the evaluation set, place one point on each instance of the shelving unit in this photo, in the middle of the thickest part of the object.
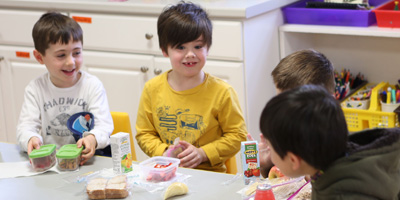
(373, 51)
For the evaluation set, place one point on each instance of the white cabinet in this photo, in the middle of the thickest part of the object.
(122, 33)
(16, 26)
(3, 135)
(372, 51)
(17, 69)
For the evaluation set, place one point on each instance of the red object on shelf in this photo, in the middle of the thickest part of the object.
(386, 16)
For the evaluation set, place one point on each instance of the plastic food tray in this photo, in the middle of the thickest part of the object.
(153, 173)
(297, 13)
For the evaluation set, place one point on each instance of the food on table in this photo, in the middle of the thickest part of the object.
(117, 188)
(157, 169)
(43, 158)
(68, 157)
(176, 189)
(101, 188)
(274, 172)
(96, 188)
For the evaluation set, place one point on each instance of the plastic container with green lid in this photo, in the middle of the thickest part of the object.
(43, 158)
(68, 157)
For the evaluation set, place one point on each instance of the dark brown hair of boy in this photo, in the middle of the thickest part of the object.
(54, 27)
(182, 23)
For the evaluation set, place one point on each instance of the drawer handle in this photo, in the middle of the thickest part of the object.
(149, 36)
(1, 58)
(157, 71)
(144, 69)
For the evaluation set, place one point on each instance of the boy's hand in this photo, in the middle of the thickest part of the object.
(34, 143)
(191, 157)
(90, 143)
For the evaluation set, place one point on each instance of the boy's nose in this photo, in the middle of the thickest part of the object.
(70, 61)
(190, 54)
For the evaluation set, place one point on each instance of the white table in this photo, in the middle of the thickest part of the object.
(50, 185)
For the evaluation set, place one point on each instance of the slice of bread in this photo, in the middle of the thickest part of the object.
(116, 188)
(96, 188)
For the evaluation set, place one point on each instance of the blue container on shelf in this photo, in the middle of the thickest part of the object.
(297, 13)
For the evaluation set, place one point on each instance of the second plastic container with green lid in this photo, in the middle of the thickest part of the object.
(43, 158)
(68, 157)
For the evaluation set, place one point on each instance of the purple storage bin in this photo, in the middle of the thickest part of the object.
(297, 13)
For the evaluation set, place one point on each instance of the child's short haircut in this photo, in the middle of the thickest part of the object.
(182, 23)
(53, 27)
(304, 67)
(307, 121)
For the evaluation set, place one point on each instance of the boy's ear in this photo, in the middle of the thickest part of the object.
(294, 160)
(38, 56)
(165, 54)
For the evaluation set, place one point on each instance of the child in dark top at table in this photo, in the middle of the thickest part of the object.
(185, 102)
(299, 68)
(306, 133)
(51, 99)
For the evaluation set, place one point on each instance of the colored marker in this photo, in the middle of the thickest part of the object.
(394, 96)
(398, 96)
(383, 96)
(389, 94)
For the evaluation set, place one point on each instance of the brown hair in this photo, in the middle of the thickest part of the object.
(182, 23)
(53, 27)
(304, 67)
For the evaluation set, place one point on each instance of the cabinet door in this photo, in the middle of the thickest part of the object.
(123, 77)
(3, 131)
(16, 26)
(119, 32)
(231, 72)
(17, 69)
(227, 41)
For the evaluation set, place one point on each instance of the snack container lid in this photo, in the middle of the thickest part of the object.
(69, 151)
(45, 150)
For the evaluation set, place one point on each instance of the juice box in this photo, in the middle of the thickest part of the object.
(250, 161)
(121, 153)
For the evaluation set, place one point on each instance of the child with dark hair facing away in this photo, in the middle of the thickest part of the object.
(185, 102)
(51, 99)
(299, 68)
(307, 134)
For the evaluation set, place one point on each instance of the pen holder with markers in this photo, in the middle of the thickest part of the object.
(390, 98)
(359, 101)
(389, 107)
(358, 104)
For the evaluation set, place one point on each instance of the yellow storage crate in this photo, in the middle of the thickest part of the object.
(358, 119)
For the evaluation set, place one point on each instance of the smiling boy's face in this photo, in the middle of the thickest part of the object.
(63, 62)
(188, 59)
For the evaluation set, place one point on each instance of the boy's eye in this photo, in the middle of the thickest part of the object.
(77, 53)
(198, 47)
(61, 55)
(180, 47)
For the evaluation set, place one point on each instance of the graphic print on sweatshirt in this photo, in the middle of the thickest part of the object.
(180, 123)
(59, 110)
